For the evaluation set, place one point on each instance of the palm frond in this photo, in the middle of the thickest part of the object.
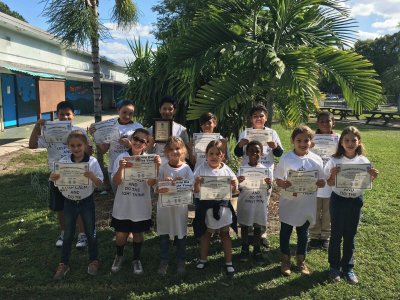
(124, 13)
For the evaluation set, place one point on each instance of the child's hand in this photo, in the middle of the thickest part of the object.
(268, 181)
(90, 175)
(178, 178)
(241, 178)
(123, 163)
(198, 180)
(373, 172)
(243, 142)
(283, 183)
(335, 171)
(151, 182)
(168, 179)
(233, 185)
(54, 176)
(320, 183)
(272, 145)
(157, 160)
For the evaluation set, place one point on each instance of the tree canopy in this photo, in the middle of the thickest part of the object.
(4, 8)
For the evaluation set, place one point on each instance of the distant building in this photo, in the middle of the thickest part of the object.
(37, 72)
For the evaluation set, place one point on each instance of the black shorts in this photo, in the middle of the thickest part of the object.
(56, 199)
(130, 226)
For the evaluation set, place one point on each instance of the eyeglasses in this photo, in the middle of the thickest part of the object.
(138, 139)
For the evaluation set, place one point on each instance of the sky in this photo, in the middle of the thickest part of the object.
(375, 18)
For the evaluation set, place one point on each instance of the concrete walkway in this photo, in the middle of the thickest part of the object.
(17, 138)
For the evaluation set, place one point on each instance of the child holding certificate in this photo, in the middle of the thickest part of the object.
(346, 202)
(271, 149)
(215, 214)
(172, 220)
(298, 209)
(324, 144)
(126, 127)
(252, 202)
(78, 199)
(56, 151)
(132, 204)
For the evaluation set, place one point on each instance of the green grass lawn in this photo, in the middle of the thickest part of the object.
(28, 257)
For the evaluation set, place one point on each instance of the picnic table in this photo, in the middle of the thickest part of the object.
(343, 112)
(387, 116)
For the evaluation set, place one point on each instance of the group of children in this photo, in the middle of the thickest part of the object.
(333, 213)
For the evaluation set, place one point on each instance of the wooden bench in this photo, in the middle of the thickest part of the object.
(341, 111)
(387, 116)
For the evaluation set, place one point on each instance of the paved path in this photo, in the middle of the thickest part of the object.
(17, 138)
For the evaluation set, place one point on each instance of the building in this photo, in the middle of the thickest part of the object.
(37, 72)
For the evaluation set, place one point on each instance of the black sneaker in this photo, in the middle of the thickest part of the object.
(259, 258)
(325, 244)
(314, 244)
(265, 243)
(244, 255)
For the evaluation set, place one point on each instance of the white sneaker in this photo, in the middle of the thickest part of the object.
(117, 264)
(82, 241)
(60, 241)
(137, 267)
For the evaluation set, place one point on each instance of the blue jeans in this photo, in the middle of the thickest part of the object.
(302, 238)
(180, 248)
(345, 216)
(72, 209)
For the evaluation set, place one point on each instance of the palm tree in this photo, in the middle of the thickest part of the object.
(77, 22)
(272, 52)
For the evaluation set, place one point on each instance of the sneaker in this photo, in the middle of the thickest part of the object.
(201, 264)
(229, 270)
(244, 255)
(259, 258)
(265, 243)
(117, 264)
(61, 271)
(334, 274)
(93, 267)
(137, 267)
(181, 267)
(314, 244)
(162, 269)
(82, 241)
(325, 244)
(60, 241)
(351, 277)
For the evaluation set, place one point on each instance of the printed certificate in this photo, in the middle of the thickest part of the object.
(162, 130)
(262, 135)
(254, 177)
(201, 140)
(140, 167)
(56, 132)
(325, 144)
(174, 193)
(215, 188)
(354, 176)
(71, 174)
(106, 131)
(302, 181)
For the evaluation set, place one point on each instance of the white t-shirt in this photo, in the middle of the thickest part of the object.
(347, 193)
(177, 130)
(56, 151)
(82, 191)
(252, 205)
(267, 159)
(173, 220)
(225, 212)
(294, 209)
(132, 199)
(326, 191)
(126, 131)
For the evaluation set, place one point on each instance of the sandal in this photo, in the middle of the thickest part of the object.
(201, 265)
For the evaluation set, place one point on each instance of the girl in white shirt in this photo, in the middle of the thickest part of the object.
(297, 209)
(172, 220)
(345, 205)
(212, 215)
(132, 204)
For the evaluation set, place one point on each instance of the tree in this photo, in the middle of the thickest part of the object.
(271, 52)
(4, 8)
(77, 22)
